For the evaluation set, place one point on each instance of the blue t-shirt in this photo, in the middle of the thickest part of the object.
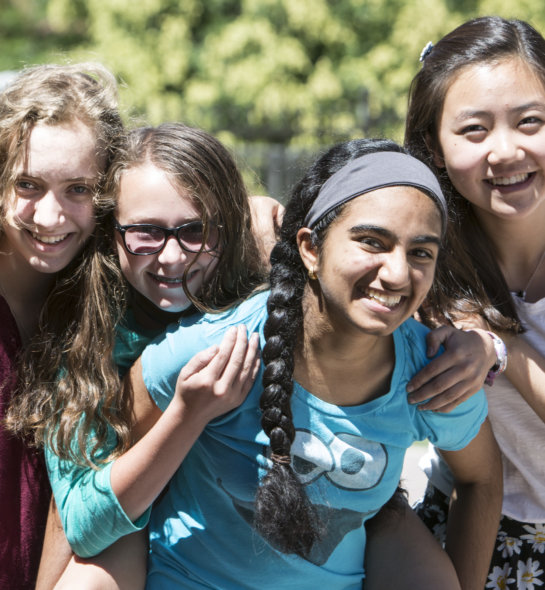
(348, 458)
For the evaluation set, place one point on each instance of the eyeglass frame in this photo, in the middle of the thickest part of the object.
(167, 232)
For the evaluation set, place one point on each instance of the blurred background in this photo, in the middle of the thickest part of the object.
(276, 80)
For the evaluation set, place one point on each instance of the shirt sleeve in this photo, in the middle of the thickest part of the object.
(164, 358)
(90, 513)
(450, 431)
(454, 430)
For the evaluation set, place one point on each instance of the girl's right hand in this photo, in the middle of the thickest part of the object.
(219, 378)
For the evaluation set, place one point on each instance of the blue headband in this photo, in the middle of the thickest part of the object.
(371, 172)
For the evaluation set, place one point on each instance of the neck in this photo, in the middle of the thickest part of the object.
(24, 289)
(151, 317)
(520, 249)
(341, 366)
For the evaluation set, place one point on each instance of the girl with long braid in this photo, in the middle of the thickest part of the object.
(282, 501)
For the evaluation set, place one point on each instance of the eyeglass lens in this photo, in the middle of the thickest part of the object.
(149, 239)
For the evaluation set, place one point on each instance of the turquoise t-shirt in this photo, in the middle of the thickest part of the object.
(90, 513)
(348, 458)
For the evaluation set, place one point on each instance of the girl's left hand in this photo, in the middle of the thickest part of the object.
(455, 375)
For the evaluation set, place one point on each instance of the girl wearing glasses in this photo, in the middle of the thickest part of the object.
(353, 265)
(184, 240)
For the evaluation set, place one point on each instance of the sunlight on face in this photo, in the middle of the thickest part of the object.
(147, 196)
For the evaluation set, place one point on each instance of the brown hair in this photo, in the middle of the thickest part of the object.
(469, 279)
(200, 165)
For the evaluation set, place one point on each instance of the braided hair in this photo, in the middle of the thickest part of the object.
(283, 513)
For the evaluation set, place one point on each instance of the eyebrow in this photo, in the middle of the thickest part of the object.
(86, 179)
(377, 229)
(469, 113)
(160, 223)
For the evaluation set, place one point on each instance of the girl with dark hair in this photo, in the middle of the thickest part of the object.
(477, 117)
(59, 125)
(282, 501)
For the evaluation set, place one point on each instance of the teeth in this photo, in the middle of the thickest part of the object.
(49, 239)
(169, 280)
(174, 280)
(387, 300)
(507, 180)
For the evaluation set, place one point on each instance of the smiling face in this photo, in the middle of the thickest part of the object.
(492, 138)
(147, 196)
(50, 215)
(378, 260)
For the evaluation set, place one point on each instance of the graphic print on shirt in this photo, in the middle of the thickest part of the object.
(349, 462)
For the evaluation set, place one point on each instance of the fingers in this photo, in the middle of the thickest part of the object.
(279, 217)
(199, 361)
(218, 379)
(450, 397)
(240, 365)
(455, 375)
(423, 384)
(436, 338)
(215, 359)
(447, 383)
(250, 369)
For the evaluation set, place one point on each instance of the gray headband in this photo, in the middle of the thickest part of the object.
(371, 172)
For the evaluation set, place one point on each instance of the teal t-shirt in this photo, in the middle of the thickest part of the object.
(349, 460)
(90, 513)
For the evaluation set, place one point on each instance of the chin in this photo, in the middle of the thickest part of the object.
(174, 307)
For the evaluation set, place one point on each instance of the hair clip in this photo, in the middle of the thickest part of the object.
(426, 51)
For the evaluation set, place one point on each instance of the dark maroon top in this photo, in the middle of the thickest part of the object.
(24, 487)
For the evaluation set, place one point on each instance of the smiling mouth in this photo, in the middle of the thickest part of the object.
(509, 180)
(49, 239)
(386, 300)
(173, 280)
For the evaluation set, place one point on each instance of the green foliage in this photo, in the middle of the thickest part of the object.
(26, 35)
(294, 72)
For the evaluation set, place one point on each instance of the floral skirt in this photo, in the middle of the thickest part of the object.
(518, 561)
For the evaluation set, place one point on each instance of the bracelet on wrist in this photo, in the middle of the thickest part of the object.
(501, 359)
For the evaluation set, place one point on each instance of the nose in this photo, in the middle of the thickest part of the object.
(394, 270)
(49, 211)
(172, 253)
(504, 148)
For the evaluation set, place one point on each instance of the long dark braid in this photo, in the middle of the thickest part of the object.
(284, 514)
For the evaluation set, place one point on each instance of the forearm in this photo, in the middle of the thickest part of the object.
(475, 507)
(56, 552)
(471, 532)
(98, 507)
(212, 383)
(139, 476)
(526, 371)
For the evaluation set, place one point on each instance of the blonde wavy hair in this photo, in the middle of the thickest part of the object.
(68, 386)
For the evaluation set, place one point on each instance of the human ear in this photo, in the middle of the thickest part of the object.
(435, 150)
(307, 250)
(438, 159)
